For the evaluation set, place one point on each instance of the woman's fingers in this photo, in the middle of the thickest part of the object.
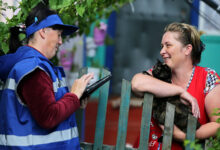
(195, 107)
(88, 77)
(196, 110)
(80, 84)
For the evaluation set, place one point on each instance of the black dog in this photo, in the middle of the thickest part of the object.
(163, 72)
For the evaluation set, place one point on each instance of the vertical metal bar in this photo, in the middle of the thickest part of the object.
(168, 128)
(101, 114)
(83, 71)
(191, 130)
(207, 144)
(123, 115)
(145, 121)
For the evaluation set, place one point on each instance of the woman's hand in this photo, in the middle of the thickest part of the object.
(80, 84)
(177, 133)
(185, 96)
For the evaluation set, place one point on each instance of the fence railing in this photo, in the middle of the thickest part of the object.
(123, 120)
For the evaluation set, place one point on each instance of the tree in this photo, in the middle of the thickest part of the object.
(75, 12)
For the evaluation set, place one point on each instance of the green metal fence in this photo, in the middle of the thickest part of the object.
(123, 120)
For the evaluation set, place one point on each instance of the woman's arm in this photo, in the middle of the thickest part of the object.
(209, 129)
(145, 83)
(212, 101)
(36, 91)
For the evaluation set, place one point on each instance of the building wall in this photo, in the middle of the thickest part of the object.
(138, 35)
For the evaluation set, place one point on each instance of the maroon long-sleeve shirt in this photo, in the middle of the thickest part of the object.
(36, 91)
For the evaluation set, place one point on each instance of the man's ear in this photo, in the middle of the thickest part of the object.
(188, 49)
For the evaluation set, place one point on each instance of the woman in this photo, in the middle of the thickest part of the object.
(37, 109)
(181, 51)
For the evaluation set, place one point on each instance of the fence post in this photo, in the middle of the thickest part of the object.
(101, 114)
(168, 127)
(123, 115)
(191, 130)
(145, 121)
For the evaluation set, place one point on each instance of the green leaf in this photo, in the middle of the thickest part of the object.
(58, 4)
(186, 142)
(89, 2)
(5, 47)
(22, 37)
(80, 10)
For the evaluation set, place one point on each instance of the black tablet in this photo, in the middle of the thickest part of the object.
(91, 88)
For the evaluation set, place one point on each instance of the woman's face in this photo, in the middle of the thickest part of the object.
(172, 50)
(54, 40)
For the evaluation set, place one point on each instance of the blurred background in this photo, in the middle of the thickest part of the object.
(128, 42)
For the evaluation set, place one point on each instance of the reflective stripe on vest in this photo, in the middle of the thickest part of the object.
(29, 140)
(59, 84)
(11, 84)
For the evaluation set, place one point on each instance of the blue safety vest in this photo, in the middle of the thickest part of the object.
(18, 129)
